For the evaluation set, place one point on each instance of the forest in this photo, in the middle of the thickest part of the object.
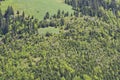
(83, 45)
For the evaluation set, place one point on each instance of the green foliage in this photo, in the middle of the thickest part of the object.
(92, 7)
(62, 78)
(61, 47)
(77, 78)
(86, 77)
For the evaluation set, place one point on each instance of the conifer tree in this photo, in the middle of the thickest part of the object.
(9, 12)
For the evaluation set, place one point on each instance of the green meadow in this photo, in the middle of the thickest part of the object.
(38, 8)
(53, 30)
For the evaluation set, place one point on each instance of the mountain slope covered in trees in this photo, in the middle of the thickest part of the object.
(78, 47)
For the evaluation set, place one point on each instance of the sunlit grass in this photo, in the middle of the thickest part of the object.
(37, 8)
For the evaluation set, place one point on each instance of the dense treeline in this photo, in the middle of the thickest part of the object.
(86, 48)
(94, 7)
(2, 0)
(16, 23)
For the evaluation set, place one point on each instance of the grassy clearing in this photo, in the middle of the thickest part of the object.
(37, 8)
(52, 30)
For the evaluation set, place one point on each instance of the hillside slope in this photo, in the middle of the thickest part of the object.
(95, 7)
(38, 8)
(60, 47)
(86, 48)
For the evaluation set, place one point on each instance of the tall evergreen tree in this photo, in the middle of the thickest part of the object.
(47, 15)
(9, 12)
